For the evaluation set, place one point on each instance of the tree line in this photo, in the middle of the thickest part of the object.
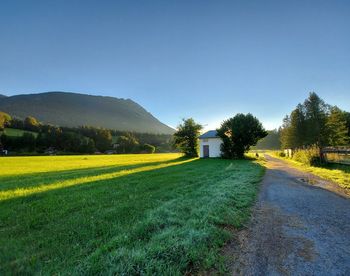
(311, 123)
(315, 123)
(40, 138)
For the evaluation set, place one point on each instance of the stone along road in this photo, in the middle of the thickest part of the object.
(297, 228)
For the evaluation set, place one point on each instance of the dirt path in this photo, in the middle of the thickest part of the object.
(297, 228)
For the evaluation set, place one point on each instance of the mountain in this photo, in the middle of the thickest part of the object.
(73, 109)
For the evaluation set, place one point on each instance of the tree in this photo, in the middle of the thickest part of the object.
(102, 137)
(127, 143)
(87, 146)
(186, 137)
(286, 134)
(337, 127)
(71, 141)
(347, 118)
(16, 123)
(294, 128)
(316, 116)
(297, 126)
(4, 119)
(27, 141)
(50, 136)
(239, 134)
(30, 123)
(147, 148)
(8, 142)
(306, 125)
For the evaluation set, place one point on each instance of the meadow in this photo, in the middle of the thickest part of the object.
(121, 214)
(17, 132)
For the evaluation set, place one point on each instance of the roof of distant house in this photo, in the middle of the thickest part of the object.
(209, 134)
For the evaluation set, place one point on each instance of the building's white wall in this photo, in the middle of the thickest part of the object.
(214, 146)
(288, 153)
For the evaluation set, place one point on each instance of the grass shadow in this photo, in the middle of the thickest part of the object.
(45, 178)
(159, 221)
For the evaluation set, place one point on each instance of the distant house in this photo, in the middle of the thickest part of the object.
(209, 144)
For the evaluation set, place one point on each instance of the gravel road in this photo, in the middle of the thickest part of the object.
(300, 226)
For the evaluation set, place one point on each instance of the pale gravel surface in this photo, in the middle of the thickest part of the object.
(297, 228)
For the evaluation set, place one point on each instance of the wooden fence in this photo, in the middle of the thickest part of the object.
(339, 155)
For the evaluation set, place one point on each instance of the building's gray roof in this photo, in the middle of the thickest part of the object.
(209, 134)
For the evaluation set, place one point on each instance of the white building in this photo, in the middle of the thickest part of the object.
(209, 144)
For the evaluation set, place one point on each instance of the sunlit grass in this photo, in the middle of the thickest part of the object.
(15, 166)
(120, 215)
(39, 188)
(340, 174)
(17, 132)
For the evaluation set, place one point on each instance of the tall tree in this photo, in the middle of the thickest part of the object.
(297, 127)
(239, 134)
(306, 125)
(337, 127)
(186, 137)
(316, 111)
(347, 118)
(285, 133)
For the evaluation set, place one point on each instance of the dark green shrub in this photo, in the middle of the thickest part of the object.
(147, 148)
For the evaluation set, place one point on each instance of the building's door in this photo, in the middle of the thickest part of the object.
(206, 151)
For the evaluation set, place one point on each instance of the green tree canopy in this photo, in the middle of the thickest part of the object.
(239, 134)
(294, 128)
(147, 148)
(316, 111)
(347, 118)
(4, 119)
(186, 137)
(337, 127)
(127, 143)
(30, 123)
(102, 137)
(315, 123)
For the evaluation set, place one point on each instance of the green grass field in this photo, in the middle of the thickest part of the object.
(120, 214)
(18, 132)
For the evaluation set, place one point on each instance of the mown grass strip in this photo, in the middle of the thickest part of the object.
(20, 192)
(21, 166)
(161, 221)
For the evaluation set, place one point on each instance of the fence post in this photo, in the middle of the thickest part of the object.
(322, 157)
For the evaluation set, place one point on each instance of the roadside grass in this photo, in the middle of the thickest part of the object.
(337, 173)
(17, 132)
(121, 214)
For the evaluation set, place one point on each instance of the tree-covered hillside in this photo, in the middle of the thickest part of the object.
(73, 110)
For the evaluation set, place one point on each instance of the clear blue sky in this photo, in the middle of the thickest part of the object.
(203, 59)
